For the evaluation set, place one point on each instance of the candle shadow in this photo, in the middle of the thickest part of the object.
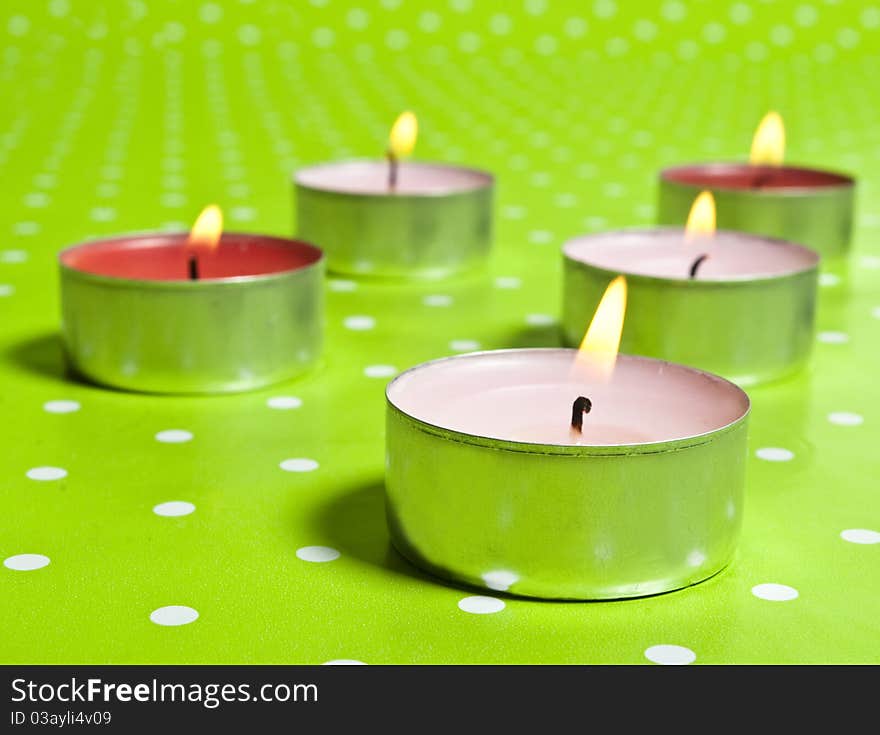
(42, 355)
(354, 523)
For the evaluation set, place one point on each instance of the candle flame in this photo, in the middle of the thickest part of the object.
(598, 351)
(701, 220)
(768, 145)
(403, 135)
(208, 227)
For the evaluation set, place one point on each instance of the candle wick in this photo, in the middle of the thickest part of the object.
(697, 263)
(392, 170)
(762, 179)
(581, 406)
(193, 268)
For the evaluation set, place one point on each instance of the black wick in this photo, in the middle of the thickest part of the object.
(392, 170)
(762, 180)
(581, 406)
(193, 268)
(696, 264)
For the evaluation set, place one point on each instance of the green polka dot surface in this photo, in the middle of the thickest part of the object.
(250, 528)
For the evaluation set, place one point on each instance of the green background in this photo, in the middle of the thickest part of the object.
(120, 116)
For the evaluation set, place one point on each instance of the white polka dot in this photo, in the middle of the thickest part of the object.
(210, 13)
(575, 27)
(781, 35)
(380, 371)
(845, 418)
(481, 605)
(673, 10)
(833, 338)
(174, 436)
(669, 655)
(464, 345)
(174, 615)
(540, 320)
(46, 473)
(508, 282)
(848, 37)
(540, 237)
(828, 279)
(500, 579)
(13, 256)
(249, 35)
(774, 454)
(317, 553)
(500, 24)
(341, 285)
(871, 18)
(871, 262)
(645, 30)
(6, 289)
(299, 464)
(359, 323)
(740, 13)
(26, 562)
(59, 8)
(546, 45)
(774, 592)
(604, 8)
(18, 25)
(37, 200)
(61, 406)
(469, 42)
(243, 214)
(26, 228)
(438, 299)
(174, 508)
(806, 16)
(513, 212)
(357, 19)
(284, 402)
(397, 39)
(875, 312)
(344, 662)
(860, 536)
(102, 214)
(323, 37)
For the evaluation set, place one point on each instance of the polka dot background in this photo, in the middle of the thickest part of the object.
(250, 528)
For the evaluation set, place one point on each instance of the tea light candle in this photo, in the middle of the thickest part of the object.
(396, 218)
(747, 313)
(487, 482)
(163, 313)
(807, 206)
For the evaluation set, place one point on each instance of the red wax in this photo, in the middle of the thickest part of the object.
(159, 257)
(747, 176)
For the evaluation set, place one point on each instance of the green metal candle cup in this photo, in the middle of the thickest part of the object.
(810, 207)
(132, 320)
(563, 521)
(436, 222)
(746, 325)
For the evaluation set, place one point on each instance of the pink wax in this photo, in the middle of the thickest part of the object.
(748, 176)
(371, 178)
(161, 257)
(666, 253)
(527, 396)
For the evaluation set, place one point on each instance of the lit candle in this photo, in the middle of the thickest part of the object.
(197, 313)
(393, 217)
(493, 480)
(803, 205)
(739, 305)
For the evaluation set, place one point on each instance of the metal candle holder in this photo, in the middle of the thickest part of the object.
(436, 221)
(806, 206)
(749, 329)
(131, 321)
(563, 521)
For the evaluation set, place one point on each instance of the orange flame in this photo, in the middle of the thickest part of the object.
(768, 145)
(701, 220)
(208, 227)
(598, 351)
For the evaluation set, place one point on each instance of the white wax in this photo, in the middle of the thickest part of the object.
(667, 253)
(371, 178)
(527, 396)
